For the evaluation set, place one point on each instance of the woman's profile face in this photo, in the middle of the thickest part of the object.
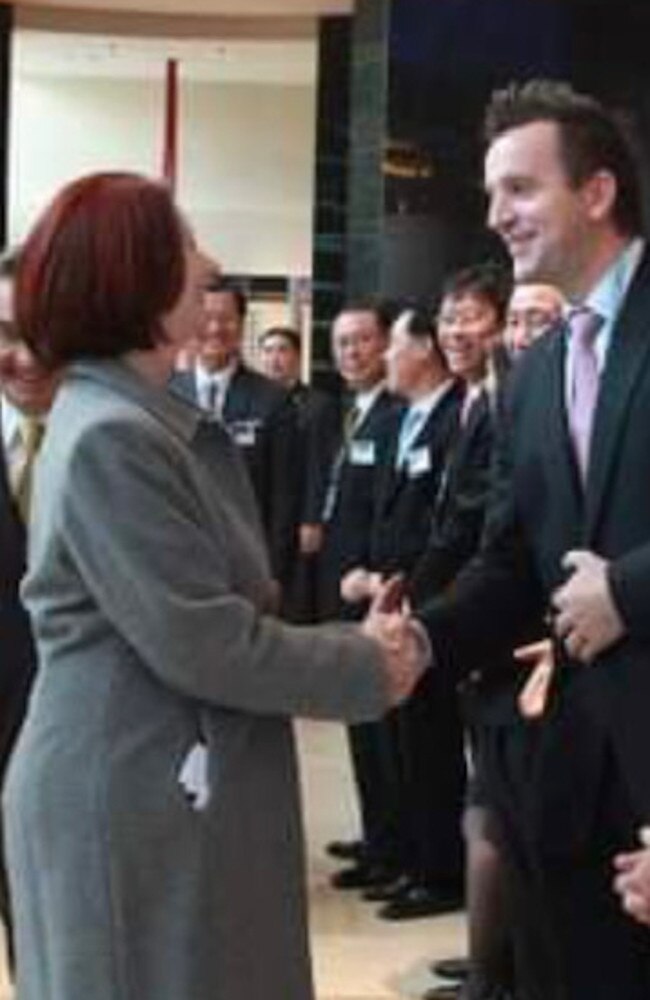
(182, 323)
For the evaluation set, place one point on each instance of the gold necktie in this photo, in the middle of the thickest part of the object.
(31, 432)
(350, 421)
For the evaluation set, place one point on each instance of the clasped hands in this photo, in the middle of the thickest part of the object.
(403, 641)
(586, 619)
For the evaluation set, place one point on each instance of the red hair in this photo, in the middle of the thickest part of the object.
(99, 269)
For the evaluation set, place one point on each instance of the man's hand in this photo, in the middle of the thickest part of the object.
(359, 585)
(405, 648)
(533, 697)
(632, 881)
(310, 539)
(587, 619)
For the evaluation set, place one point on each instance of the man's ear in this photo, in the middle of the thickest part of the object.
(599, 195)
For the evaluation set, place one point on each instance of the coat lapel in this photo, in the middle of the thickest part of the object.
(558, 449)
(627, 356)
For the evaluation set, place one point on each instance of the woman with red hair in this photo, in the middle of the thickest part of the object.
(151, 808)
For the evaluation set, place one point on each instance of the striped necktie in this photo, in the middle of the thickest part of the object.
(583, 324)
(31, 432)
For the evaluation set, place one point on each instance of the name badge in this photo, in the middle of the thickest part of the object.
(244, 432)
(362, 452)
(418, 462)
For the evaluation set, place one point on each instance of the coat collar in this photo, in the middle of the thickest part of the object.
(178, 413)
(626, 358)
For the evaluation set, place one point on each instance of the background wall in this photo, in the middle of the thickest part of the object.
(246, 157)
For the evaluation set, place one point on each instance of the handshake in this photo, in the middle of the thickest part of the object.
(389, 622)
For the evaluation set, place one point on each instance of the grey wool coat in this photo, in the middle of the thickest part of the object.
(147, 586)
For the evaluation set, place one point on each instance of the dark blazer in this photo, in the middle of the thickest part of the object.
(348, 530)
(319, 424)
(17, 655)
(262, 421)
(459, 508)
(405, 498)
(538, 511)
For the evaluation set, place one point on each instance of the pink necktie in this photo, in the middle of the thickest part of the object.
(583, 324)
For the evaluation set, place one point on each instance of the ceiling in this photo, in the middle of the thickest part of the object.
(235, 8)
(231, 41)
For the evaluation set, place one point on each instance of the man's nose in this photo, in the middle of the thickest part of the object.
(499, 212)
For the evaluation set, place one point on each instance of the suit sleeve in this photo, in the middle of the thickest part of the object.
(282, 444)
(135, 529)
(455, 537)
(629, 578)
(496, 601)
(321, 440)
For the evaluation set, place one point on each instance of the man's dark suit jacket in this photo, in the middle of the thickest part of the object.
(348, 531)
(17, 654)
(406, 498)
(262, 420)
(459, 509)
(319, 423)
(539, 511)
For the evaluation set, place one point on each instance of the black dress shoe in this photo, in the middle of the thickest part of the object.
(386, 891)
(420, 901)
(362, 876)
(442, 993)
(451, 968)
(346, 850)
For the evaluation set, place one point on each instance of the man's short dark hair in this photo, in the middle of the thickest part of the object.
(489, 281)
(384, 311)
(287, 333)
(222, 283)
(591, 138)
(420, 324)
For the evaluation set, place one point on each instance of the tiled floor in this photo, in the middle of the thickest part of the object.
(356, 956)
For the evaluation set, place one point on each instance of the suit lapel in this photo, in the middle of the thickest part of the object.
(235, 404)
(391, 477)
(558, 449)
(627, 356)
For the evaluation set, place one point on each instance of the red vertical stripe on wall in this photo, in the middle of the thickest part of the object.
(170, 148)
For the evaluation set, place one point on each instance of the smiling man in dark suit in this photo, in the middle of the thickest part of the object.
(427, 736)
(258, 413)
(26, 393)
(568, 531)
(359, 340)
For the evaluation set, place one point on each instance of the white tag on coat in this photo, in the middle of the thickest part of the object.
(362, 452)
(193, 776)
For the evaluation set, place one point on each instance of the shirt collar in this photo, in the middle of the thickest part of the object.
(221, 377)
(364, 400)
(426, 404)
(606, 297)
(11, 421)
(180, 415)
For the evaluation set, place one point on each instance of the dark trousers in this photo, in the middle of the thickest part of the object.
(429, 737)
(572, 941)
(375, 771)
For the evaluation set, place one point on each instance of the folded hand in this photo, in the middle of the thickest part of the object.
(632, 882)
(402, 639)
(359, 584)
(587, 619)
